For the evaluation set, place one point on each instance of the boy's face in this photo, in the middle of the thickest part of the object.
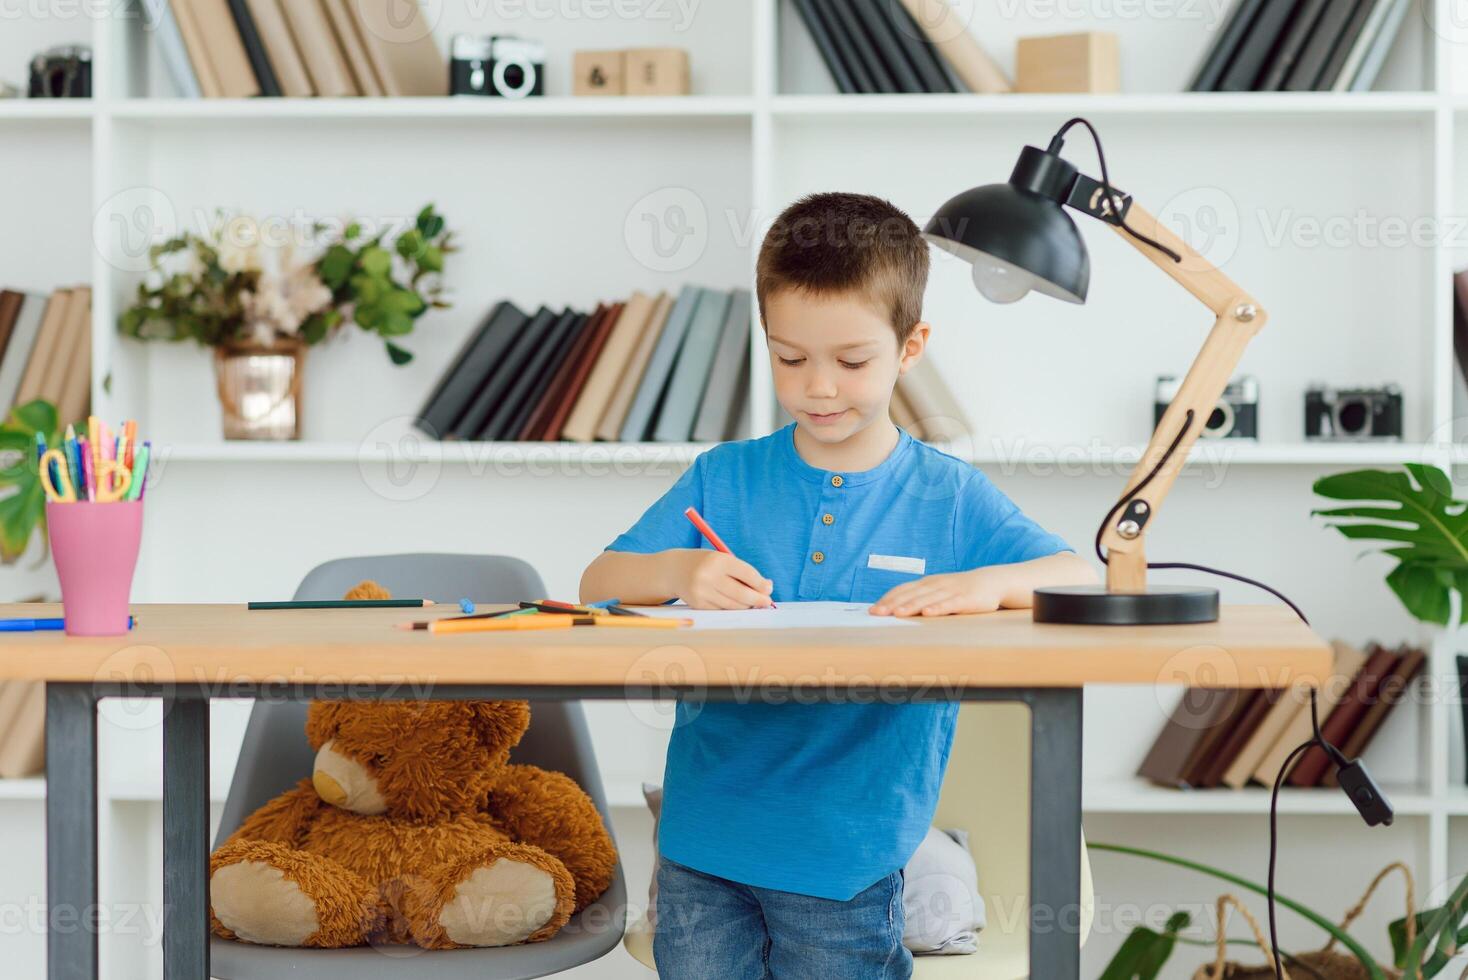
(835, 361)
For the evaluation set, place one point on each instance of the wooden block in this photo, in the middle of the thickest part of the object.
(657, 71)
(599, 73)
(1089, 62)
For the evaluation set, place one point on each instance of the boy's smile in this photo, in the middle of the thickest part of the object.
(835, 360)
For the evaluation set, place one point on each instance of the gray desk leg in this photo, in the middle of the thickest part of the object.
(71, 832)
(1055, 834)
(186, 839)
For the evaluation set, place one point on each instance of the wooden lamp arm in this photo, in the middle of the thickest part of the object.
(1239, 318)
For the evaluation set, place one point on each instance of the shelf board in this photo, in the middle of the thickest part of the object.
(1219, 452)
(549, 107)
(49, 110)
(1137, 796)
(29, 788)
(1212, 104)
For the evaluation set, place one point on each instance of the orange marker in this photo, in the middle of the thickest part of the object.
(503, 623)
(703, 526)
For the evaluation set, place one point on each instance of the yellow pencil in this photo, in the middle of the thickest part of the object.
(642, 622)
(503, 623)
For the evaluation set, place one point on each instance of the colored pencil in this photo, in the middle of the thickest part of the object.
(342, 604)
(703, 526)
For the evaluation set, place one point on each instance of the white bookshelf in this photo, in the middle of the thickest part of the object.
(544, 194)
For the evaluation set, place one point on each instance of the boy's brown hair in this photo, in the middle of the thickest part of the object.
(847, 243)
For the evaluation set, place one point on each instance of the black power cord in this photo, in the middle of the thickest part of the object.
(1112, 195)
(1352, 775)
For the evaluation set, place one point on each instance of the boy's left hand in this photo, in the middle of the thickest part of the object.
(974, 591)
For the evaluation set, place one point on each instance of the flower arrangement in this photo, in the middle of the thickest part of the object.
(225, 288)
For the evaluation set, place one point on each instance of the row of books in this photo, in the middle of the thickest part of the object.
(46, 350)
(877, 46)
(22, 729)
(652, 368)
(1232, 737)
(1301, 46)
(243, 48)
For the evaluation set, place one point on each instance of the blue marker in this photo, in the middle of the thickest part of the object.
(39, 625)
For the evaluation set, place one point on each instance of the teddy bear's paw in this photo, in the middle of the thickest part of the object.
(259, 904)
(498, 905)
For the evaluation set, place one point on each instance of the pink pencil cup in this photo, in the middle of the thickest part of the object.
(95, 547)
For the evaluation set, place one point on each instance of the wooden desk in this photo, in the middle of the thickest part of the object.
(190, 653)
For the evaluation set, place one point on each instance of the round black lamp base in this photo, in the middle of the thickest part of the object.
(1159, 605)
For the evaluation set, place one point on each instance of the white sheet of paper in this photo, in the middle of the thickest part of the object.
(785, 615)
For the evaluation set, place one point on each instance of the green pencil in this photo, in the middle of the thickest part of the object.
(344, 604)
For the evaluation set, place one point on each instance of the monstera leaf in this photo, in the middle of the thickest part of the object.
(1425, 528)
(22, 499)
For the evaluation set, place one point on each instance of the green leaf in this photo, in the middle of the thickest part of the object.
(410, 243)
(432, 259)
(351, 231)
(314, 329)
(399, 355)
(1416, 514)
(336, 265)
(35, 416)
(430, 223)
(376, 261)
(23, 509)
(1145, 952)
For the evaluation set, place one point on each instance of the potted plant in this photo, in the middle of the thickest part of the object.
(22, 499)
(260, 309)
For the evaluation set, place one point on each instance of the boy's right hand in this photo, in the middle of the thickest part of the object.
(707, 579)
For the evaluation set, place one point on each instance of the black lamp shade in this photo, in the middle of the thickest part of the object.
(1011, 233)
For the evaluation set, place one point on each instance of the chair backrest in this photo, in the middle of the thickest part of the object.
(986, 792)
(275, 754)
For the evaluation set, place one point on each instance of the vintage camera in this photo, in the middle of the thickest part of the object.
(63, 72)
(1353, 414)
(1236, 416)
(510, 67)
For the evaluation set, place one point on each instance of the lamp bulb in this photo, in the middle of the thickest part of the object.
(999, 283)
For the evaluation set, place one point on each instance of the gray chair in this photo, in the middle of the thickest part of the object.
(275, 756)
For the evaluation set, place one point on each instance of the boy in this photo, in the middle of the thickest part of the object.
(785, 826)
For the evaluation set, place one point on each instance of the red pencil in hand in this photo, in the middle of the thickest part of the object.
(703, 526)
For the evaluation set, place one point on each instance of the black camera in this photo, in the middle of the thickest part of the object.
(510, 67)
(63, 72)
(1353, 414)
(1236, 416)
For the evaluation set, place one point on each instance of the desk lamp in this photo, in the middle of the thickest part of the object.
(1019, 239)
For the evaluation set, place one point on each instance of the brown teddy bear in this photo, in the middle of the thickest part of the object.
(416, 828)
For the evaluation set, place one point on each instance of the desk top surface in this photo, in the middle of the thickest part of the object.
(1250, 646)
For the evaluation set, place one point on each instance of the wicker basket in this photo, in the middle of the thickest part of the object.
(1322, 964)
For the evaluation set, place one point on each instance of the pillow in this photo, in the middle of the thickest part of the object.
(940, 895)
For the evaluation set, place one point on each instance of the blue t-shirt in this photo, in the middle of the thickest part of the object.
(821, 799)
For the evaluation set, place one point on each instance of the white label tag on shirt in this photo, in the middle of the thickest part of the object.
(893, 563)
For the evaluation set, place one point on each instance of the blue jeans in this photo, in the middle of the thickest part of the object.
(710, 928)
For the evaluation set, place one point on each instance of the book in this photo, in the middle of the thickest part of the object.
(10, 302)
(1323, 41)
(729, 375)
(401, 48)
(1218, 55)
(881, 34)
(1460, 321)
(1347, 662)
(1462, 662)
(816, 27)
(19, 349)
(1264, 34)
(840, 31)
(1292, 44)
(555, 391)
(920, 51)
(936, 412)
(349, 38)
(1283, 706)
(171, 49)
(849, 17)
(1381, 46)
(457, 385)
(280, 48)
(1350, 66)
(1344, 45)
(610, 426)
(1344, 717)
(596, 393)
(226, 51)
(691, 372)
(74, 386)
(325, 63)
(1186, 734)
(23, 751)
(502, 374)
(254, 48)
(193, 38)
(951, 37)
(569, 342)
(640, 416)
(502, 422)
(12, 696)
(1252, 708)
(577, 380)
(38, 368)
(1393, 689)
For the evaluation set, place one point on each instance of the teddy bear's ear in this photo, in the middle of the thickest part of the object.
(500, 724)
(323, 719)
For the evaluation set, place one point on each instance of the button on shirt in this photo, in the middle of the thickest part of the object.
(821, 798)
